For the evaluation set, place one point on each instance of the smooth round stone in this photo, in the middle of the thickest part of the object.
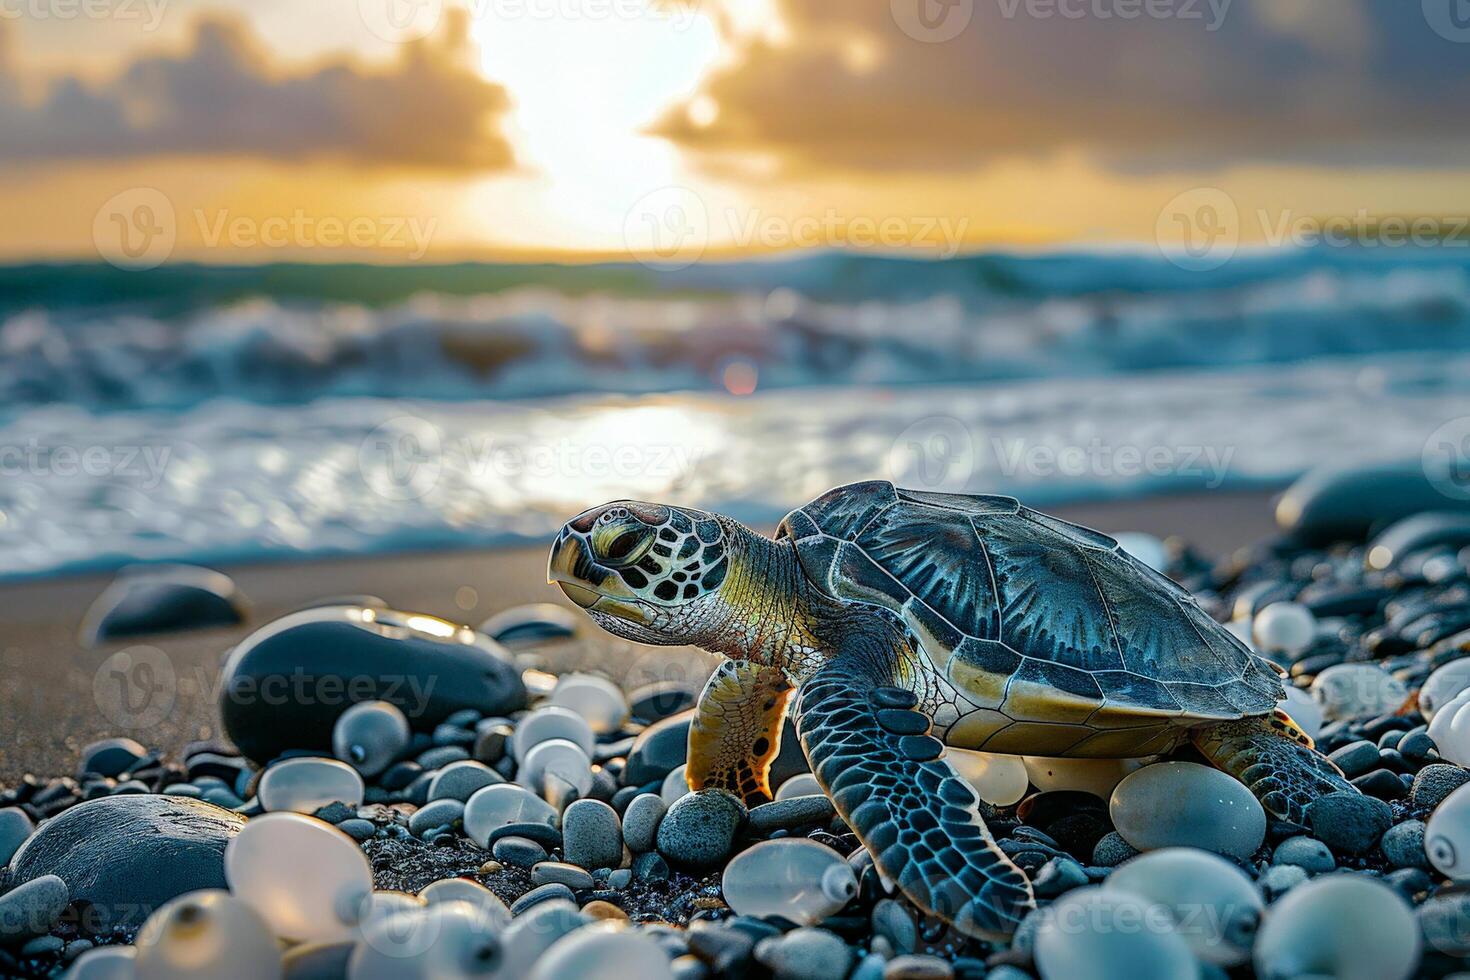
(1284, 627)
(792, 877)
(675, 785)
(381, 904)
(461, 780)
(1342, 503)
(127, 855)
(432, 816)
(1349, 822)
(791, 814)
(370, 736)
(802, 784)
(1357, 690)
(1103, 934)
(30, 909)
(306, 878)
(496, 806)
(1435, 782)
(1215, 905)
(533, 932)
(811, 954)
(465, 890)
(1183, 804)
(1303, 709)
(284, 686)
(699, 829)
(444, 941)
(549, 722)
(998, 779)
(1307, 853)
(207, 934)
(111, 756)
(305, 785)
(1343, 926)
(653, 702)
(561, 873)
(532, 625)
(658, 749)
(1145, 547)
(1403, 844)
(557, 769)
(105, 963)
(605, 949)
(641, 820)
(596, 699)
(1095, 776)
(1447, 836)
(162, 599)
(15, 826)
(1448, 730)
(592, 837)
(1437, 527)
(1442, 685)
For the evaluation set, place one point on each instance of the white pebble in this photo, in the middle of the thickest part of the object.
(370, 736)
(206, 934)
(675, 785)
(1096, 934)
(1444, 719)
(1441, 686)
(607, 949)
(495, 806)
(305, 785)
(1342, 926)
(1447, 836)
(1095, 776)
(1303, 709)
(595, 698)
(558, 770)
(446, 941)
(1215, 905)
(552, 721)
(381, 904)
(1357, 690)
(105, 963)
(1184, 804)
(802, 784)
(1284, 627)
(998, 779)
(792, 877)
(305, 877)
(465, 890)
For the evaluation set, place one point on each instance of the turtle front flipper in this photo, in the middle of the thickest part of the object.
(916, 816)
(1276, 761)
(737, 730)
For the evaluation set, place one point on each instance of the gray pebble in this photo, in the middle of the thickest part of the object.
(358, 830)
(1112, 850)
(15, 826)
(893, 922)
(460, 780)
(43, 946)
(1056, 877)
(30, 909)
(917, 968)
(543, 893)
(1356, 758)
(518, 852)
(1435, 782)
(560, 872)
(591, 835)
(650, 867)
(641, 820)
(620, 878)
(1307, 853)
(111, 756)
(440, 813)
(441, 756)
(789, 814)
(1349, 822)
(1403, 845)
(1281, 878)
(699, 829)
(805, 954)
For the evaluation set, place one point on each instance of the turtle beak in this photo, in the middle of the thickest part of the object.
(572, 568)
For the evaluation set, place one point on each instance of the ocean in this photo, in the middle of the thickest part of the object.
(209, 414)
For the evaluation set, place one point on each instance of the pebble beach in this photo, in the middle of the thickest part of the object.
(370, 791)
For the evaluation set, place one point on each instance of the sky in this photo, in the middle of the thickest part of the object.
(670, 131)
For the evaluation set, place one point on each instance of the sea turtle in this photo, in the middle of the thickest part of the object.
(908, 621)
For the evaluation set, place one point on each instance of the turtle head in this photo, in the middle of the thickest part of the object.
(645, 572)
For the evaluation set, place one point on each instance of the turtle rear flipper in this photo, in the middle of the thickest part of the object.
(919, 820)
(1276, 761)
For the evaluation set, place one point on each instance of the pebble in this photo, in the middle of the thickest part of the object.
(531, 625)
(598, 700)
(1356, 758)
(518, 852)
(1186, 804)
(162, 599)
(610, 949)
(112, 756)
(801, 784)
(105, 963)
(442, 755)
(1348, 822)
(598, 909)
(699, 829)
(15, 826)
(1403, 845)
(641, 820)
(675, 785)
(306, 878)
(1215, 905)
(892, 921)
(448, 940)
(31, 908)
(791, 813)
(1442, 685)
(1284, 628)
(211, 935)
(1112, 850)
(1434, 783)
(552, 891)
(658, 750)
(913, 967)
(1342, 926)
(552, 722)
(461, 780)
(654, 702)
(558, 770)
(794, 878)
(1095, 776)
(370, 736)
(358, 830)
(496, 806)
(557, 871)
(305, 785)
(1057, 876)
(440, 813)
(1357, 690)
(466, 890)
(1280, 879)
(805, 954)
(1307, 853)
(1095, 934)
(592, 835)
(1447, 836)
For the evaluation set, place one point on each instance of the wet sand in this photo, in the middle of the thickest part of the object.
(48, 709)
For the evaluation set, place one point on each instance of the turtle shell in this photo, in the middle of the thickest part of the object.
(1040, 636)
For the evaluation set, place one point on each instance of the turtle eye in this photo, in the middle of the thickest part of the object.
(619, 543)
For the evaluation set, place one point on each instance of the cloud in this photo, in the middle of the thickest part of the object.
(225, 97)
(844, 86)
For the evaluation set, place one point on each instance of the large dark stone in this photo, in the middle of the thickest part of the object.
(664, 746)
(163, 599)
(123, 856)
(285, 685)
(1348, 503)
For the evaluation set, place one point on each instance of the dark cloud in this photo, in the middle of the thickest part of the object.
(1351, 82)
(225, 97)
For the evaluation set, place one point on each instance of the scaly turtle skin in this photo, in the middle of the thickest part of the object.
(908, 621)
